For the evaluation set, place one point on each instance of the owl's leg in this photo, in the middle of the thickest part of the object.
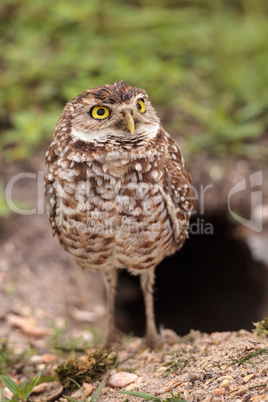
(110, 282)
(147, 282)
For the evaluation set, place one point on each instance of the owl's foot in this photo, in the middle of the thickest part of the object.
(112, 337)
(152, 341)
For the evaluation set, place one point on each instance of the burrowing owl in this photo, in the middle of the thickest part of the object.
(118, 194)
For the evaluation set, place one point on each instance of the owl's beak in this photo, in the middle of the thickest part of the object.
(128, 122)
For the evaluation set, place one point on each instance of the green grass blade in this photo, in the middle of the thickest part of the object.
(32, 385)
(69, 398)
(143, 395)
(23, 387)
(10, 384)
(76, 383)
(175, 400)
(96, 394)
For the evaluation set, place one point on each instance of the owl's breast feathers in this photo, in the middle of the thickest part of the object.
(136, 195)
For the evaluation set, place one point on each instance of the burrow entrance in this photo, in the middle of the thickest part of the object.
(212, 284)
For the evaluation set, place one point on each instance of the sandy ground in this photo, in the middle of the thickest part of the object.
(226, 366)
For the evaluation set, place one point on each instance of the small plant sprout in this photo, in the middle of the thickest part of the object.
(261, 327)
(20, 394)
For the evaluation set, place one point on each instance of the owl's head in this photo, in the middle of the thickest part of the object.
(108, 111)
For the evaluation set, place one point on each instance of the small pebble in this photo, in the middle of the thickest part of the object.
(45, 358)
(27, 325)
(224, 384)
(49, 357)
(122, 379)
(40, 388)
(225, 377)
(218, 391)
(77, 394)
(8, 394)
(18, 321)
(35, 332)
(225, 366)
(240, 391)
(247, 378)
(88, 389)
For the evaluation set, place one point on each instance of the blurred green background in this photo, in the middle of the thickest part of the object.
(204, 64)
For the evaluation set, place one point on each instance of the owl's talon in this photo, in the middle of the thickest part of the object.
(112, 338)
(153, 342)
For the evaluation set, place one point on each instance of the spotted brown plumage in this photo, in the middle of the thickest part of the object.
(118, 194)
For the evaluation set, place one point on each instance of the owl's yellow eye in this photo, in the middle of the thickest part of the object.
(100, 112)
(141, 106)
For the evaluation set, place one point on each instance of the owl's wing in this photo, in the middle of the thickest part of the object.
(177, 192)
(54, 209)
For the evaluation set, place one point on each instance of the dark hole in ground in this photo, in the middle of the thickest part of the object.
(212, 284)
